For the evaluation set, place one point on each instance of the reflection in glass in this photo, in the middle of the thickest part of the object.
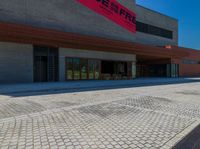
(76, 64)
(83, 69)
(69, 68)
(91, 69)
(97, 69)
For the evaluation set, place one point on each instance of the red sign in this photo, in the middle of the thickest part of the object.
(114, 11)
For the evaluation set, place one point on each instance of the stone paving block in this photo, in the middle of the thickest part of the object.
(92, 121)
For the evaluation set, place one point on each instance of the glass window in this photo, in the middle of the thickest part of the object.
(69, 68)
(174, 70)
(84, 69)
(153, 30)
(168, 70)
(97, 69)
(76, 66)
(187, 61)
(133, 70)
(91, 69)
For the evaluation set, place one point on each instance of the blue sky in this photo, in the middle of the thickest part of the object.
(188, 14)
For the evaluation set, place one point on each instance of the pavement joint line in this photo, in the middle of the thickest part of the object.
(48, 111)
(157, 111)
(56, 110)
(178, 137)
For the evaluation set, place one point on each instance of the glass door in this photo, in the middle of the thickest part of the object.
(40, 68)
(91, 64)
(84, 69)
(45, 64)
(173, 70)
(76, 68)
(94, 69)
(97, 71)
(69, 69)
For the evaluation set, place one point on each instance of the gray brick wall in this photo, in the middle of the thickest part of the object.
(16, 63)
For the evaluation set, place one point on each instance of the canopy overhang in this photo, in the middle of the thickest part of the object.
(41, 36)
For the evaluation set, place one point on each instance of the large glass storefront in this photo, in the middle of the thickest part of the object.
(158, 70)
(93, 69)
(82, 69)
(116, 70)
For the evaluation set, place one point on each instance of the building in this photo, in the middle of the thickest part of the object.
(61, 40)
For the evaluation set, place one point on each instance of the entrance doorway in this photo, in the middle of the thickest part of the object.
(116, 70)
(153, 70)
(173, 70)
(45, 64)
(152, 66)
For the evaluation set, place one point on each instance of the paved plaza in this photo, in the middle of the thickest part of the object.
(143, 116)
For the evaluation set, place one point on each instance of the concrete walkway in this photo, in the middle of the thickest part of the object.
(90, 85)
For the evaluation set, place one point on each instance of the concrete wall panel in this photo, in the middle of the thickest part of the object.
(64, 15)
(70, 16)
(16, 63)
(159, 20)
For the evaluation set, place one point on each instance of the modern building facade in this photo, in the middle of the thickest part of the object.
(45, 41)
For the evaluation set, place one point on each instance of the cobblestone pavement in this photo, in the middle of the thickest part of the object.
(154, 117)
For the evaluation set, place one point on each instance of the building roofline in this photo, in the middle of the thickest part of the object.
(158, 12)
(186, 48)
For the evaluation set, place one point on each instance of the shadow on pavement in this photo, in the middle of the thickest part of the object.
(191, 141)
(36, 89)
